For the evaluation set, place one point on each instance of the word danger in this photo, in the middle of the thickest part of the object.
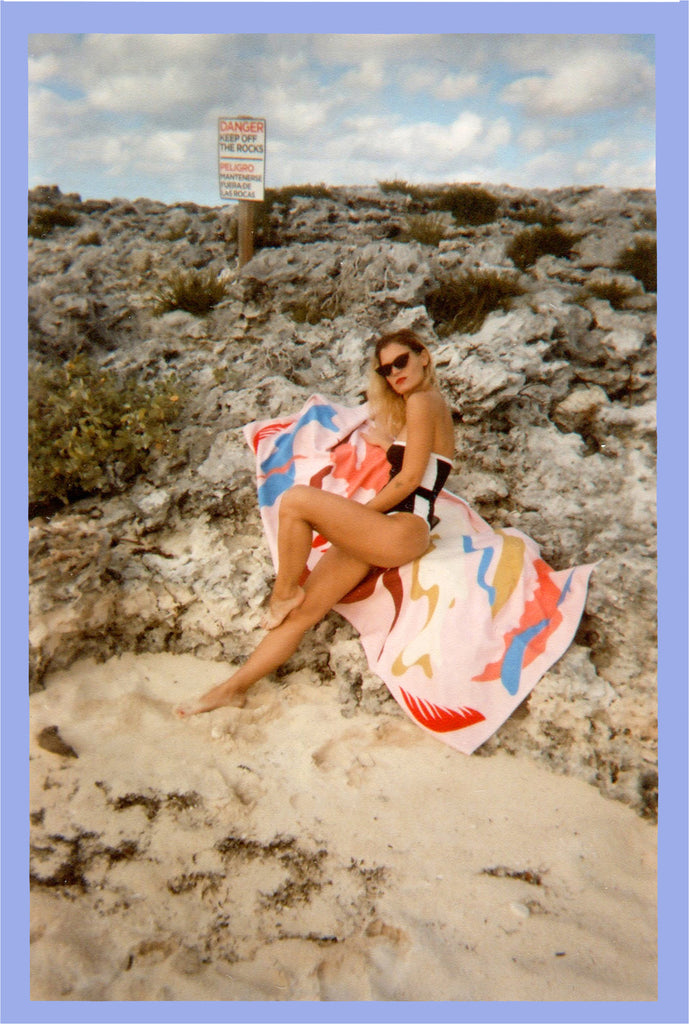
(243, 127)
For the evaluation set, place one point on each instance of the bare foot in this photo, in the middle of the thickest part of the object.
(220, 696)
(279, 610)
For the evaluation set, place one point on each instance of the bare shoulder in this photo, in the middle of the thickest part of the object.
(428, 403)
(431, 409)
(425, 403)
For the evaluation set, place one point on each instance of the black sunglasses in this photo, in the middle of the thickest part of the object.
(385, 369)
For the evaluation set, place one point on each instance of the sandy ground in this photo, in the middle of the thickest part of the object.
(285, 852)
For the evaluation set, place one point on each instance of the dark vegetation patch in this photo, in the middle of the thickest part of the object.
(641, 261)
(304, 867)
(209, 880)
(320, 940)
(529, 212)
(427, 228)
(461, 302)
(470, 205)
(530, 877)
(76, 855)
(373, 878)
(153, 803)
(648, 787)
(194, 291)
(44, 219)
(617, 293)
(529, 245)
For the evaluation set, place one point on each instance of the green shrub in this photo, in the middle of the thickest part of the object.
(468, 204)
(92, 430)
(614, 292)
(45, 218)
(641, 261)
(462, 302)
(529, 245)
(537, 214)
(428, 229)
(394, 185)
(196, 291)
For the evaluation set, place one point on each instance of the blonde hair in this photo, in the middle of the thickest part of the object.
(387, 407)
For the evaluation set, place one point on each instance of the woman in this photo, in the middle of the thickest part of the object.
(414, 425)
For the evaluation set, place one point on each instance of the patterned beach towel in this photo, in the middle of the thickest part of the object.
(461, 635)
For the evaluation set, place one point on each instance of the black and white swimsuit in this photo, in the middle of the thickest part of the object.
(421, 502)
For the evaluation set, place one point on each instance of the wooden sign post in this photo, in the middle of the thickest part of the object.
(245, 231)
(242, 168)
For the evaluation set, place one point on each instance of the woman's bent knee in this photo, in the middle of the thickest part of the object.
(294, 498)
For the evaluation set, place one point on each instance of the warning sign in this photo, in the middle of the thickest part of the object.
(242, 157)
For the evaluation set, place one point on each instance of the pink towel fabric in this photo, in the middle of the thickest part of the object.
(461, 635)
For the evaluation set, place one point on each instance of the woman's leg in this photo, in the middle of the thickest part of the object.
(366, 535)
(334, 576)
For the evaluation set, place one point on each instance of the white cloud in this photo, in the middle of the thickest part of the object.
(43, 67)
(537, 137)
(144, 92)
(455, 87)
(288, 114)
(424, 147)
(368, 76)
(442, 87)
(603, 149)
(592, 80)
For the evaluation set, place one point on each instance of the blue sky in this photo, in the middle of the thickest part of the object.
(136, 115)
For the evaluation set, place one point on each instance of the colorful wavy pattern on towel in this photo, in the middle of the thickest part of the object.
(539, 620)
(438, 718)
(279, 468)
(469, 627)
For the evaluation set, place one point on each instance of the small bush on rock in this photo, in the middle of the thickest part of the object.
(45, 218)
(427, 229)
(462, 302)
(196, 291)
(468, 204)
(394, 185)
(614, 292)
(91, 430)
(529, 245)
(641, 261)
(538, 214)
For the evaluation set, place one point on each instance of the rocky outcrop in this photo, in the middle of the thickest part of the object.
(553, 399)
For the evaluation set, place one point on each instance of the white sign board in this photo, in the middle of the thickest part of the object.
(242, 157)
